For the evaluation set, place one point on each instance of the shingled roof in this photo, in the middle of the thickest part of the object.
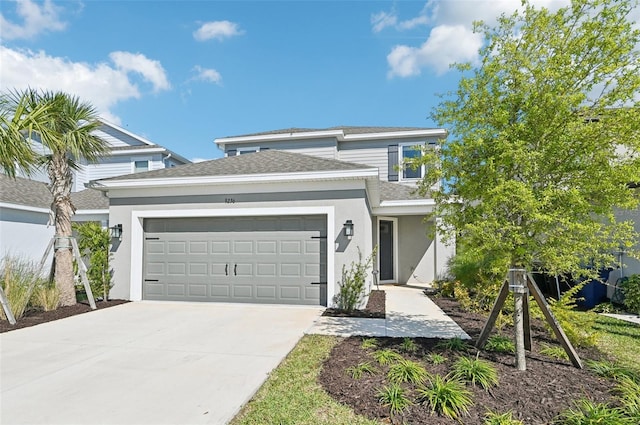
(397, 192)
(31, 193)
(263, 162)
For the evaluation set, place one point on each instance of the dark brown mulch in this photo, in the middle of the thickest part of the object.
(535, 396)
(36, 317)
(375, 308)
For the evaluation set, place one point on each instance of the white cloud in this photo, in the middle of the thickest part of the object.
(37, 18)
(383, 20)
(102, 84)
(451, 38)
(218, 30)
(208, 74)
(151, 70)
(444, 46)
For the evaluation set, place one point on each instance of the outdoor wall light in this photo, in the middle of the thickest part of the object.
(348, 228)
(116, 231)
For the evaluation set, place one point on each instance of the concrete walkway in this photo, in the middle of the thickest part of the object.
(410, 313)
(145, 363)
(627, 317)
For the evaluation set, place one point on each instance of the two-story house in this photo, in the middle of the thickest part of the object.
(25, 202)
(276, 219)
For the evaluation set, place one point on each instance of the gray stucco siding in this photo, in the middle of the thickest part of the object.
(126, 254)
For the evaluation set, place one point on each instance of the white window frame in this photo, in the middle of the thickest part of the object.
(401, 147)
(133, 164)
(247, 149)
(395, 247)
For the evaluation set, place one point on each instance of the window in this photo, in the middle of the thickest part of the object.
(242, 151)
(409, 152)
(140, 166)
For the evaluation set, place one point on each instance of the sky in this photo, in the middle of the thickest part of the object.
(183, 73)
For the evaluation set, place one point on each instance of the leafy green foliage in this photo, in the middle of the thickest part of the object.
(409, 346)
(352, 286)
(356, 372)
(407, 371)
(447, 397)
(493, 418)
(369, 343)
(453, 344)
(94, 241)
(500, 344)
(19, 278)
(436, 358)
(394, 397)
(478, 372)
(589, 413)
(539, 114)
(609, 369)
(386, 356)
(631, 291)
(578, 326)
(554, 351)
(629, 391)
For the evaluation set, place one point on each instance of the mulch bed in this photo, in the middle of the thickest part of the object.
(35, 317)
(535, 396)
(375, 308)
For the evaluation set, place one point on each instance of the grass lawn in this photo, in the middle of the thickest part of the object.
(291, 394)
(620, 340)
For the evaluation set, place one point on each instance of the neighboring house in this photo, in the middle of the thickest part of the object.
(270, 222)
(25, 203)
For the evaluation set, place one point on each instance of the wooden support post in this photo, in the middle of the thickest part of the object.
(497, 306)
(526, 322)
(83, 273)
(557, 329)
(6, 307)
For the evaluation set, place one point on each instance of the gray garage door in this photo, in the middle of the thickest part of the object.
(277, 260)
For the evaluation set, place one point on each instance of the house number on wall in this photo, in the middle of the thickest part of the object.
(229, 200)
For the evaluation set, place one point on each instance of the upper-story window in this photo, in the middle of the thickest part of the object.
(251, 149)
(409, 152)
(140, 166)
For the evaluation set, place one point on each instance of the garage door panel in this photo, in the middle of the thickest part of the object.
(263, 260)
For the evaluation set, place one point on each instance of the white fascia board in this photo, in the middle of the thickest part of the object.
(24, 207)
(405, 207)
(435, 132)
(238, 179)
(85, 212)
(138, 151)
(339, 134)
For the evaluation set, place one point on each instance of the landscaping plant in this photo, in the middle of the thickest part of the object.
(94, 241)
(629, 392)
(408, 345)
(45, 296)
(394, 397)
(589, 413)
(18, 278)
(493, 418)
(407, 371)
(436, 358)
(447, 397)
(500, 344)
(360, 369)
(352, 287)
(631, 291)
(476, 371)
(454, 344)
(369, 343)
(386, 356)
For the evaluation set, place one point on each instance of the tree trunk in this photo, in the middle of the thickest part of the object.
(60, 186)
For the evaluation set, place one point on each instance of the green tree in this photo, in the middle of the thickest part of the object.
(65, 131)
(544, 138)
(93, 241)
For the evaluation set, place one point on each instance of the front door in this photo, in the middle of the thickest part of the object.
(387, 260)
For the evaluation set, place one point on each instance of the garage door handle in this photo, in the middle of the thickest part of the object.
(235, 270)
(226, 270)
(151, 280)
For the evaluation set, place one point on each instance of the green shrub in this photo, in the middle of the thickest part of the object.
(554, 351)
(445, 396)
(18, 278)
(500, 344)
(394, 397)
(407, 371)
(356, 372)
(436, 358)
(588, 413)
(409, 346)
(352, 286)
(386, 356)
(369, 343)
(493, 418)
(476, 371)
(93, 242)
(631, 291)
(577, 325)
(608, 369)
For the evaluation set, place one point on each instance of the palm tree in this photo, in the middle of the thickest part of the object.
(66, 134)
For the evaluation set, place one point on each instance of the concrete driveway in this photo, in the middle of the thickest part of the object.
(145, 363)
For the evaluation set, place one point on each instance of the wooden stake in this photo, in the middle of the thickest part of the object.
(6, 307)
(497, 306)
(83, 273)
